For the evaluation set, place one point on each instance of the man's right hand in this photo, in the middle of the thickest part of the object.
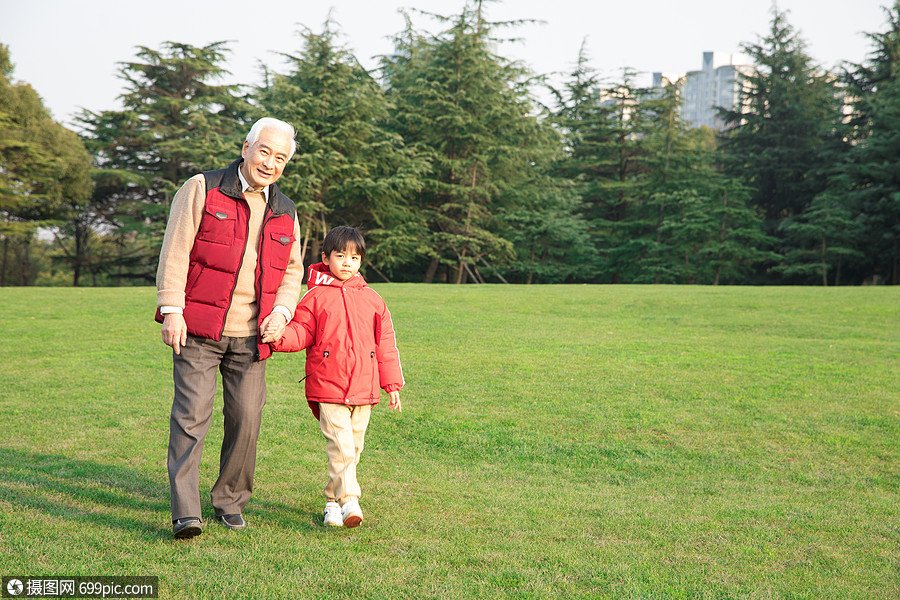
(174, 331)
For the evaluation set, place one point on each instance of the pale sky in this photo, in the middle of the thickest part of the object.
(70, 50)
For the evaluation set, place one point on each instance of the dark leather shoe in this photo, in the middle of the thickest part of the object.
(233, 521)
(187, 528)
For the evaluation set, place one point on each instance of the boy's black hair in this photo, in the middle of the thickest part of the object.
(341, 238)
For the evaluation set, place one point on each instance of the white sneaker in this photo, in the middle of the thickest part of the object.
(352, 513)
(333, 517)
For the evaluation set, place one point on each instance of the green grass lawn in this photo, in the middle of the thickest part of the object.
(563, 442)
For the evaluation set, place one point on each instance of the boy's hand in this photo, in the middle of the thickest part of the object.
(395, 401)
(272, 327)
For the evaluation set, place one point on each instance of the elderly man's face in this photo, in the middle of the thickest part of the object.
(264, 161)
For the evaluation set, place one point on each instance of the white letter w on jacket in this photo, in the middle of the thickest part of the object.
(323, 278)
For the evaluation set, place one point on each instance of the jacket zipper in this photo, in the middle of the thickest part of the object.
(374, 375)
(324, 356)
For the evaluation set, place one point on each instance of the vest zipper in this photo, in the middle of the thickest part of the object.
(240, 266)
(267, 215)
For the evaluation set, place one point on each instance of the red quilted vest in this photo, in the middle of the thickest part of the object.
(219, 248)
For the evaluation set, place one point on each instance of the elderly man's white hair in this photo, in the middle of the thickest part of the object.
(270, 123)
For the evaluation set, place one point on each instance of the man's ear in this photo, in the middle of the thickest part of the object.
(244, 149)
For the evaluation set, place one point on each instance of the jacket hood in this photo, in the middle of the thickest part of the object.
(319, 275)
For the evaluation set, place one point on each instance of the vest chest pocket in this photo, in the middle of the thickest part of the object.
(218, 224)
(280, 246)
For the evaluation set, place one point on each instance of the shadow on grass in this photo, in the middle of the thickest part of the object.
(303, 517)
(118, 497)
(84, 491)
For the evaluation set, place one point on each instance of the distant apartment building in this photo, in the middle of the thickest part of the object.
(717, 84)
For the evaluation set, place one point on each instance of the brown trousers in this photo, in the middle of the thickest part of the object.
(244, 394)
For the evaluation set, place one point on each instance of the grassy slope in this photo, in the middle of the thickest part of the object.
(556, 442)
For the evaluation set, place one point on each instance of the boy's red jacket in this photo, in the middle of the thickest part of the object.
(351, 350)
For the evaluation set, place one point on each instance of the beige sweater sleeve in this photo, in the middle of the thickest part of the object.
(174, 257)
(288, 293)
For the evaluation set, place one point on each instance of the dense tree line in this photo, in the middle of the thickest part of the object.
(455, 172)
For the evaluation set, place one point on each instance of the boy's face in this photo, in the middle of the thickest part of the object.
(343, 264)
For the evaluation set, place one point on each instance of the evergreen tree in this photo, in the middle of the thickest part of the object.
(349, 168)
(176, 122)
(703, 230)
(469, 112)
(605, 138)
(785, 138)
(673, 160)
(824, 236)
(550, 238)
(44, 170)
(880, 69)
(719, 236)
(585, 122)
(871, 179)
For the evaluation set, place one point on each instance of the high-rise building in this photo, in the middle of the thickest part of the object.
(717, 84)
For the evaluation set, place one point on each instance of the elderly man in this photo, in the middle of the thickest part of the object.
(230, 264)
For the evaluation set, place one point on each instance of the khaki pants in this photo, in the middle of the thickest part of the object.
(244, 394)
(344, 428)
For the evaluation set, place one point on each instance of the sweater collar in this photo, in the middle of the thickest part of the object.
(245, 187)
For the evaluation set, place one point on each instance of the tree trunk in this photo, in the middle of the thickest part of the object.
(26, 262)
(82, 239)
(837, 273)
(473, 273)
(121, 245)
(432, 269)
(374, 268)
(721, 239)
(3, 263)
(76, 262)
(305, 243)
(895, 267)
(460, 274)
(496, 272)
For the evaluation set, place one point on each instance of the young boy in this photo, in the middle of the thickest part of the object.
(351, 353)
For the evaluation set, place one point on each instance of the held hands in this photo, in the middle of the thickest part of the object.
(174, 331)
(272, 327)
(395, 401)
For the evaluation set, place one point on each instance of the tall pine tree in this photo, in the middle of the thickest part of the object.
(176, 122)
(349, 168)
(469, 112)
(871, 179)
(784, 139)
(605, 129)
